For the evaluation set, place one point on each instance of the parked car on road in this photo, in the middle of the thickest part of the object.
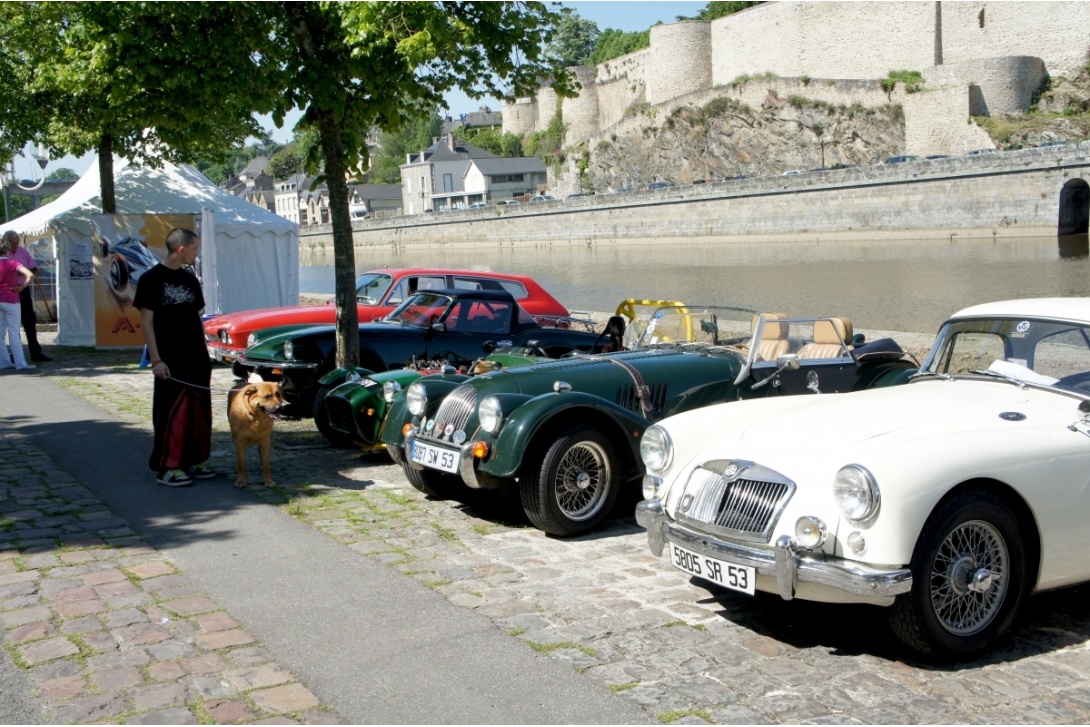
(448, 324)
(378, 292)
(537, 199)
(357, 404)
(660, 185)
(565, 435)
(948, 500)
(902, 159)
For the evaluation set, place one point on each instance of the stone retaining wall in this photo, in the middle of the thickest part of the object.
(1009, 194)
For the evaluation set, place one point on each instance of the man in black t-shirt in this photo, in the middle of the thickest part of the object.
(170, 301)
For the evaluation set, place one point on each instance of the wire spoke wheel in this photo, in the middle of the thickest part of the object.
(969, 578)
(580, 475)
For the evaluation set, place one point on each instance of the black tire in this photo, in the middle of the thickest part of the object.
(576, 485)
(946, 616)
(434, 484)
(321, 420)
(119, 275)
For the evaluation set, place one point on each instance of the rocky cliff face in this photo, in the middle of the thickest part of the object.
(718, 137)
(723, 138)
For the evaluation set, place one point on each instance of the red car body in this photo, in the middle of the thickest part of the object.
(378, 292)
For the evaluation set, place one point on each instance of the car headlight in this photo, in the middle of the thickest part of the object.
(491, 415)
(289, 350)
(656, 449)
(857, 492)
(251, 339)
(389, 390)
(416, 399)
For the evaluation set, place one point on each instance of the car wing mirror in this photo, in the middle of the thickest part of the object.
(787, 361)
(1082, 425)
(439, 327)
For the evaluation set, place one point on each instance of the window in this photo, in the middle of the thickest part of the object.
(448, 183)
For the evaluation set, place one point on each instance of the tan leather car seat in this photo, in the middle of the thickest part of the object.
(773, 337)
(831, 336)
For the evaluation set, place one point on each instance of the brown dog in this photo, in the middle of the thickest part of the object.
(252, 411)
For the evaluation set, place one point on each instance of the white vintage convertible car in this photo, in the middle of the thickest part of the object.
(948, 500)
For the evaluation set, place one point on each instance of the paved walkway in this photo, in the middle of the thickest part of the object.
(364, 601)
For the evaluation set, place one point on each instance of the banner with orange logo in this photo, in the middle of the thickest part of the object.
(124, 247)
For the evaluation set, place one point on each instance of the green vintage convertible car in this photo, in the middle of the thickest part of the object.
(351, 405)
(566, 434)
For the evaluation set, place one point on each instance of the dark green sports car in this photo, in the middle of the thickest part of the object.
(566, 433)
(456, 326)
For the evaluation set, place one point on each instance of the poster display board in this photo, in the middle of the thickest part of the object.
(123, 247)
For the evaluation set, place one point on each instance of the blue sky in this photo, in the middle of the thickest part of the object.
(628, 16)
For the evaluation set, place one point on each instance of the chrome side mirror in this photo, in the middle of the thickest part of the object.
(783, 363)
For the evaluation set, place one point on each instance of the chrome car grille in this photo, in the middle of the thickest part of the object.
(454, 411)
(735, 498)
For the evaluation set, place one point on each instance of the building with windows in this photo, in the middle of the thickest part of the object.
(451, 174)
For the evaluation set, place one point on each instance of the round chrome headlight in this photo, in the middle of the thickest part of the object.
(857, 492)
(251, 339)
(491, 415)
(389, 390)
(810, 532)
(656, 449)
(416, 399)
(289, 350)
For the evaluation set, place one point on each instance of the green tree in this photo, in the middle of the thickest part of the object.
(64, 174)
(616, 43)
(423, 124)
(493, 140)
(574, 40)
(363, 65)
(148, 81)
(714, 10)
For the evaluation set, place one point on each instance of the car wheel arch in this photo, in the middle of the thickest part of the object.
(560, 419)
(1018, 505)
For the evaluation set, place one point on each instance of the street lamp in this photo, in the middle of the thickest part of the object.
(8, 178)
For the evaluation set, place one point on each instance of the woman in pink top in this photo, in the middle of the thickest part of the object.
(10, 311)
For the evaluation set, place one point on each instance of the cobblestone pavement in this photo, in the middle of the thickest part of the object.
(78, 590)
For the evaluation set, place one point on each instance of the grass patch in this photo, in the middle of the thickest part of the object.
(480, 529)
(6, 524)
(676, 714)
(202, 714)
(437, 584)
(517, 631)
(912, 81)
(399, 499)
(445, 533)
(547, 648)
(623, 687)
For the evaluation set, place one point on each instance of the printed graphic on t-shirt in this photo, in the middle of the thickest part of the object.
(177, 294)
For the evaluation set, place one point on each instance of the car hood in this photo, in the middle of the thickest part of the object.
(265, 317)
(925, 408)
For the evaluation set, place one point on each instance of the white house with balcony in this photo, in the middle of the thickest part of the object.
(451, 174)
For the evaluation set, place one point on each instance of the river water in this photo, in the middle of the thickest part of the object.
(880, 284)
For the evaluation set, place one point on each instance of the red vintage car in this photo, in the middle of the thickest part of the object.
(378, 292)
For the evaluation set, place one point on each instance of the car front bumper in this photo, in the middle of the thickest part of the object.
(783, 561)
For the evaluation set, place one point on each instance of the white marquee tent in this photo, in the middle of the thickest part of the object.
(249, 256)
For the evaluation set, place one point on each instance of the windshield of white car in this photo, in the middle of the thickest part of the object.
(370, 287)
(1017, 350)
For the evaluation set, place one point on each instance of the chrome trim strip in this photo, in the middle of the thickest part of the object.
(783, 562)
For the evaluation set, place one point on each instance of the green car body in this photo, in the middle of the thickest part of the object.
(356, 403)
(566, 433)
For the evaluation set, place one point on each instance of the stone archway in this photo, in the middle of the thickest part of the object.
(1074, 208)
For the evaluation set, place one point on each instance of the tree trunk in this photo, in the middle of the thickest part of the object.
(106, 173)
(344, 252)
(329, 135)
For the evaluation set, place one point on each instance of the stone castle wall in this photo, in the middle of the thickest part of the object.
(994, 54)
